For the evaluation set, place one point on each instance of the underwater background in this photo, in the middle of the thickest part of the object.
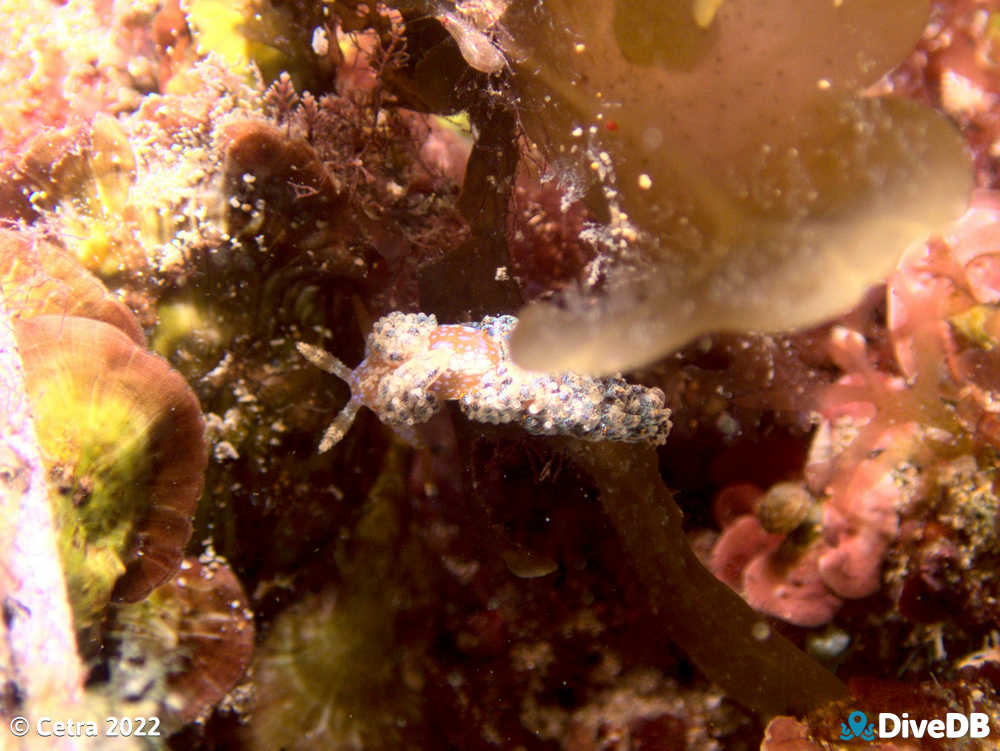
(499, 374)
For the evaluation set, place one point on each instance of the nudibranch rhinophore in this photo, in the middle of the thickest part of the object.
(413, 365)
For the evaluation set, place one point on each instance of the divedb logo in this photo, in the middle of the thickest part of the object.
(857, 727)
(890, 725)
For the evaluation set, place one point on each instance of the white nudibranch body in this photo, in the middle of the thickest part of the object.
(413, 365)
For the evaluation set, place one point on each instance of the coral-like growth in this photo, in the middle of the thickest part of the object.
(278, 189)
(135, 192)
(82, 176)
(39, 278)
(123, 443)
(956, 67)
(60, 64)
(268, 36)
(329, 674)
(896, 456)
(186, 645)
(413, 365)
(310, 689)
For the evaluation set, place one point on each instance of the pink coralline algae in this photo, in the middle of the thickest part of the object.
(895, 452)
(771, 579)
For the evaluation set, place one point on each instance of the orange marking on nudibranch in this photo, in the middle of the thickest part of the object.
(472, 353)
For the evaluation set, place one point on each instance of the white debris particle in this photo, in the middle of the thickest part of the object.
(320, 42)
(394, 189)
(225, 450)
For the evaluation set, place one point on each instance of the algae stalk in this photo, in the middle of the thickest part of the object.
(731, 644)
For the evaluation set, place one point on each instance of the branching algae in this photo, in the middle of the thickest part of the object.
(748, 182)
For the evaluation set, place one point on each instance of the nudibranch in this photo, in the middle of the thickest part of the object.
(412, 366)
